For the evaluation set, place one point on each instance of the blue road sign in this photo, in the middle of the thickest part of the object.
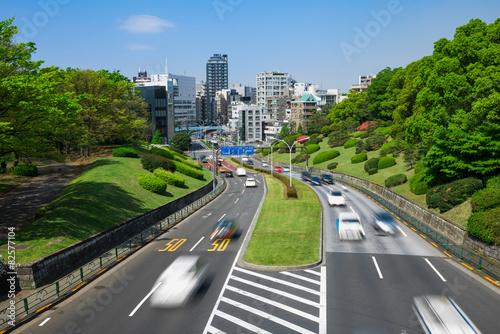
(225, 150)
(249, 150)
(237, 150)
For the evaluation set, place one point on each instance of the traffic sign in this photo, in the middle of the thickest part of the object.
(249, 150)
(237, 150)
(225, 150)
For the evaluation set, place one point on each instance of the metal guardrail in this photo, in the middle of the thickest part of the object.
(43, 298)
(464, 254)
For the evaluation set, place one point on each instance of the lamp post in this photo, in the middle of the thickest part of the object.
(301, 140)
(272, 167)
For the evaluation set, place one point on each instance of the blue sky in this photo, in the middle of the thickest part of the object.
(326, 42)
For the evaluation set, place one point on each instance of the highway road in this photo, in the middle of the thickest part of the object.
(362, 286)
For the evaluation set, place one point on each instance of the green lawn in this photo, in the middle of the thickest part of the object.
(288, 230)
(104, 194)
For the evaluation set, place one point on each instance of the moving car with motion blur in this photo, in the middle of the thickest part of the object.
(327, 178)
(349, 226)
(278, 169)
(306, 176)
(250, 182)
(286, 169)
(441, 314)
(228, 173)
(315, 180)
(335, 197)
(384, 222)
(241, 171)
(224, 229)
(181, 280)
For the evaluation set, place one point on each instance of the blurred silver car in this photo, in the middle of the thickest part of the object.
(384, 222)
(179, 282)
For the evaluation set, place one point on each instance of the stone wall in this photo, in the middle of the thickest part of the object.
(54, 266)
(489, 251)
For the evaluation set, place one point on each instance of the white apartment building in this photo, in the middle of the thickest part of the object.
(246, 123)
(273, 93)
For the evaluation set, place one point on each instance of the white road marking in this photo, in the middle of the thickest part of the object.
(300, 277)
(236, 200)
(376, 266)
(145, 298)
(44, 322)
(196, 244)
(400, 230)
(322, 302)
(224, 215)
(435, 270)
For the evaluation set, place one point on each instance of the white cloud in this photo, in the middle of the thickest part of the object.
(139, 47)
(145, 24)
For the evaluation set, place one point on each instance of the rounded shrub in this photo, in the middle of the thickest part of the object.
(395, 180)
(350, 143)
(151, 162)
(493, 182)
(371, 164)
(385, 162)
(162, 152)
(125, 152)
(418, 184)
(333, 165)
(449, 195)
(189, 171)
(299, 158)
(312, 148)
(169, 177)
(360, 157)
(152, 183)
(419, 167)
(25, 170)
(485, 199)
(325, 156)
(485, 226)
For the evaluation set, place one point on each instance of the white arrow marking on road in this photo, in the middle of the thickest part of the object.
(209, 214)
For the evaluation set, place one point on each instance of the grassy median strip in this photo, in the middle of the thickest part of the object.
(288, 230)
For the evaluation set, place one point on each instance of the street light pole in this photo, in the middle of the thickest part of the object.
(290, 149)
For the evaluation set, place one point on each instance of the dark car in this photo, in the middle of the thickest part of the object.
(229, 173)
(250, 162)
(315, 180)
(306, 176)
(327, 178)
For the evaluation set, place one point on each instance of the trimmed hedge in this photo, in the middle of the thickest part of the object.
(125, 152)
(395, 180)
(25, 170)
(325, 156)
(447, 196)
(312, 148)
(162, 152)
(485, 226)
(151, 162)
(189, 162)
(360, 157)
(291, 192)
(485, 199)
(189, 171)
(152, 183)
(299, 158)
(371, 166)
(417, 184)
(385, 162)
(177, 151)
(333, 165)
(169, 177)
(350, 143)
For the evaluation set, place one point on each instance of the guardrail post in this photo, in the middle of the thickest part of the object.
(57, 288)
(81, 273)
(479, 264)
(461, 252)
(25, 301)
(116, 249)
(100, 262)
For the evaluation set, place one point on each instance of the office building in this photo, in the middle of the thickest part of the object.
(273, 93)
(217, 79)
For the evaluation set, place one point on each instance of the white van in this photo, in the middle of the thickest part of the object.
(241, 172)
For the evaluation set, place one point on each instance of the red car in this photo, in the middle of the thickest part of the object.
(278, 169)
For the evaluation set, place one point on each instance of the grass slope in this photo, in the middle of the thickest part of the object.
(104, 194)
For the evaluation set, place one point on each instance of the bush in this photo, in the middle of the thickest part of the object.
(162, 152)
(125, 152)
(151, 162)
(485, 199)
(485, 226)
(447, 196)
(177, 151)
(325, 156)
(371, 164)
(419, 167)
(333, 165)
(385, 162)
(360, 157)
(418, 184)
(299, 158)
(493, 182)
(189, 171)
(291, 192)
(26, 170)
(350, 143)
(312, 148)
(190, 163)
(152, 183)
(395, 180)
(386, 130)
(375, 141)
(169, 177)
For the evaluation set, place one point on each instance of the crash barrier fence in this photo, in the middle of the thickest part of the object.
(44, 297)
(464, 254)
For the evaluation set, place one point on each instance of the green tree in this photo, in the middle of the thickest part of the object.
(157, 138)
(300, 129)
(382, 93)
(354, 107)
(181, 140)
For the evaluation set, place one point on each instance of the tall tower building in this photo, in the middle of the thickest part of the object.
(217, 79)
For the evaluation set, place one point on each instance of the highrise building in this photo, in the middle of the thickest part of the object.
(273, 93)
(217, 79)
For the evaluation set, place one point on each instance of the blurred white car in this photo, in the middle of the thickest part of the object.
(250, 182)
(441, 314)
(265, 164)
(286, 169)
(241, 172)
(335, 197)
(179, 282)
(349, 226)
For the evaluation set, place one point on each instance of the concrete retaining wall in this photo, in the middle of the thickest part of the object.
(54, 266)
